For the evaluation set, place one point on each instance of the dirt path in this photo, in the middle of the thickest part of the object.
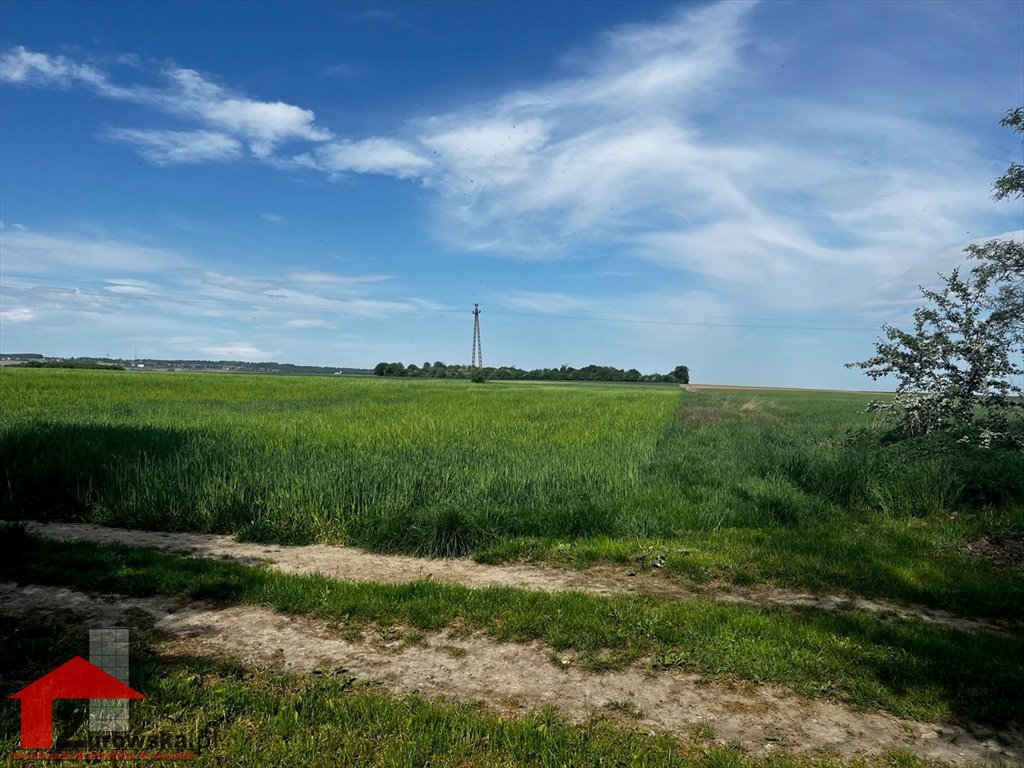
(356, 565)
(513, 678)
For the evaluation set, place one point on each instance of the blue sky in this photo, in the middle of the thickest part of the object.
(749, 189)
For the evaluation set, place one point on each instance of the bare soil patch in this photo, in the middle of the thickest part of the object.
(350, 564)
(1006, 550)
(715, 412)
(519, 678)
(703, 414)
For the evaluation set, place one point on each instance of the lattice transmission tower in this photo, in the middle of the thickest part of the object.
(478, 350)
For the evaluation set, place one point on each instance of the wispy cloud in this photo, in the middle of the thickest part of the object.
(377, 155)
(665, 146)
(127, 287)
(20, 65)
(342, 70)
(184, 93)
(94, 276)
(26, 251)
(389, 16)
(238, 350)
(547, 302)
(273, 217)
(308, 323)
(175, 147)
(313, 276)
(18, 315)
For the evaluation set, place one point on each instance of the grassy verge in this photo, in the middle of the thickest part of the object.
(238, 717)
(909, 668)
(909, 560)
(792, 490)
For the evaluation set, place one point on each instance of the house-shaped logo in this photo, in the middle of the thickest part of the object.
(76, 679)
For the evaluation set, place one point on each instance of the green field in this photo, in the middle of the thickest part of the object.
(713, 488)
(746, 486)
(436, 468)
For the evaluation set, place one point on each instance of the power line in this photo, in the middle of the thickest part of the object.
(703, 323)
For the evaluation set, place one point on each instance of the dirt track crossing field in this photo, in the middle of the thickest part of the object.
(514, 678)
(356, 565)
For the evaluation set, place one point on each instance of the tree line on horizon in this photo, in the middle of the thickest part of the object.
(438, 370)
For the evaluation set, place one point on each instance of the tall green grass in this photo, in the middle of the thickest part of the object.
(428, 467)
(446, 467)
(798, 490)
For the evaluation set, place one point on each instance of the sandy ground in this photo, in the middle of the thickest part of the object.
(356, 565)
(515, 678)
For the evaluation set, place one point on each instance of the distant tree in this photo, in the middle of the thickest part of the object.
(439, 370)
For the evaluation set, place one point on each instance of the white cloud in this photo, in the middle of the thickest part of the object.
(656, 66)
(18, 315)
(376, 155)
(667, 146)
(485, 153)
(19, 65)
(93, 293)
(634, 325)
(93, 274)
(36, 252)
(237, 350)
(547, 302)
(312, 276)
(175, 147)
(274, 217)
(262, 125)
(282, 298)
(807, 206)
(313, 323)
(127, 287)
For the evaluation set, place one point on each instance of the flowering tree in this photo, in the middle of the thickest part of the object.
(955, 369)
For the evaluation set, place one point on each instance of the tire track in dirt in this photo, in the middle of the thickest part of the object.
(519, 678)
(350, 564)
